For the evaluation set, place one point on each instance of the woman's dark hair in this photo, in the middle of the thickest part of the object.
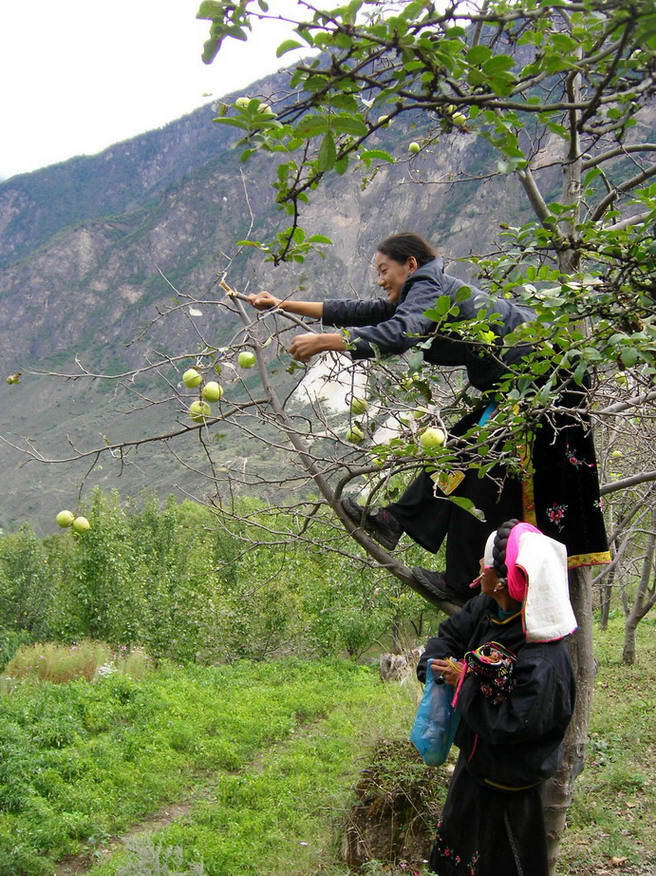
(405, 244)
(499, 547)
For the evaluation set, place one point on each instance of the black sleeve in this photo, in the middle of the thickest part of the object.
(397, 329)
(454, 636)
(542, 699)
(343, 312)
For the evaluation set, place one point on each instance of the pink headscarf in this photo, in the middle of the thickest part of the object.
(537, 577)
(516, 577)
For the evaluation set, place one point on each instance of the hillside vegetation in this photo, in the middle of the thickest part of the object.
(252, 768)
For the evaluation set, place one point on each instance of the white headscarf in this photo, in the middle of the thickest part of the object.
(546, 609)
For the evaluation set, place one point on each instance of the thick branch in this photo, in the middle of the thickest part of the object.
(642, 478)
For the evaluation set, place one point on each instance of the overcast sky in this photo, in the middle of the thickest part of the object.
(79, 75)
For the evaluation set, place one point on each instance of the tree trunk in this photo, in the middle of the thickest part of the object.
(605, 598)
(629, 647)
(397, 642)
(559, 789)
(641, 602)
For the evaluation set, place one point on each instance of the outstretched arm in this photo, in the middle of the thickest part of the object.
(265, 301)
(303, 347)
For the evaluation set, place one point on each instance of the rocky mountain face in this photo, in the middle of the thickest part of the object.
(91, 250)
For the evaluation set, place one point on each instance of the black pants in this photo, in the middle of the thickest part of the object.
(559, 494)
(428, 517)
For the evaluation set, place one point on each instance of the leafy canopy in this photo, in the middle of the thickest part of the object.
(546, 84)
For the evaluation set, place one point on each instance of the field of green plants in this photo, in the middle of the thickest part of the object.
(190, 585)
(251, 768)
(266, 751)
(172, 704)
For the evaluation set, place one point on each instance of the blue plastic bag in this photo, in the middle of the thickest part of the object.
(436, 721)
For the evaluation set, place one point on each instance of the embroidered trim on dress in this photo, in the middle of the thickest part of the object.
(596, 559)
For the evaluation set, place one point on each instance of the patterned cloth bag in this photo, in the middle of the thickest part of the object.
(493, 665)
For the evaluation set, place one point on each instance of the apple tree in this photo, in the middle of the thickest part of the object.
(561, 92)
(560, 95)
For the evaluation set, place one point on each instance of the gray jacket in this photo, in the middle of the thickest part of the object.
(395, 328)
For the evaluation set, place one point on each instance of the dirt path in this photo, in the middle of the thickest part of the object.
(82, 863)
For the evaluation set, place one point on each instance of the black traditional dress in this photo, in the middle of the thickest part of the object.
(559, 491)
(493, 822)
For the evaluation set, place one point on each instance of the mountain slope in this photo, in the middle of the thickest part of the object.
(86, 274)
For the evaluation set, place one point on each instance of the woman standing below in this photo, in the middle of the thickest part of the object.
(515, 694)
(563, 495)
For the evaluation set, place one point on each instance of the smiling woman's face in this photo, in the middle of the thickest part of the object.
(392, 274)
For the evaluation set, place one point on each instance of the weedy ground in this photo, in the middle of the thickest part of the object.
(251, 769)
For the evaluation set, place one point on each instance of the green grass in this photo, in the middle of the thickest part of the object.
(49, 661)
(265, 758)
(81, 762)
(613, 815)
(283, 813)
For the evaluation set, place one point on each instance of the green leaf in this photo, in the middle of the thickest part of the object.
(209, 10)
(210, 50)
(376, 155)
(467, 505)
(347, 125)
(234, 123)
(310, 126)
(287, 46)
(478, 55)
(327, 153)
(629, 357)
(440, 308)
(320, 238)
(498, 64)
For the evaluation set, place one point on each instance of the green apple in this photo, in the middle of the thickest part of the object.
(212, 391)
(459, 119)
(414, 147)
(246, 359)
(64, 519)
(616, 454)
(81, 524)
(359, 406)
(199, 411)
(265, 110)
(383, 120)
(620, 378)
(354, 435)
(418, 413)
(191, 378)
(242, 102)
(432, 438)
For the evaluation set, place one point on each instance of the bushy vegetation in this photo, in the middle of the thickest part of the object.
(80, 762)
(189, 585)
(59, 663)
(262, 759)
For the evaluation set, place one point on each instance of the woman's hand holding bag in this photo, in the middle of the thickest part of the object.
(436, 721)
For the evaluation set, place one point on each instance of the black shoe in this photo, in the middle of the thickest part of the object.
(435, 582)
(382, 526)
